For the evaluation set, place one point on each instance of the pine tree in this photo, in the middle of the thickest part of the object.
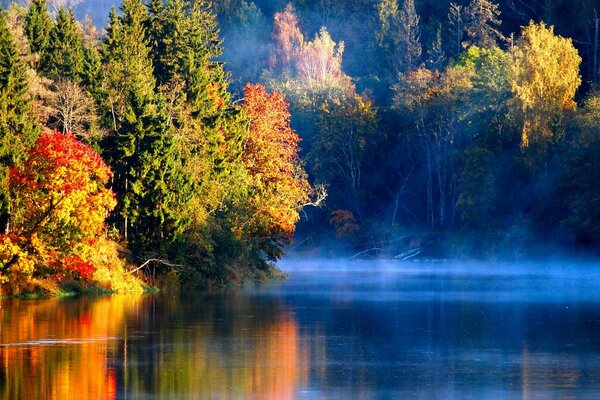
(456, 22)
(91, 74)
(64, 56)
(483, 24)
(435, 55)
(140, 146)
(38, 25)
(18, 130)
(410, 45)
(399, 34)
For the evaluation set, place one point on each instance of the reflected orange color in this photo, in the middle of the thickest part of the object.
(280, 365)
(58, 349)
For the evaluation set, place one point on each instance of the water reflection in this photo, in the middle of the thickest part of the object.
(362, 333)
(58, 349)
(220, 347)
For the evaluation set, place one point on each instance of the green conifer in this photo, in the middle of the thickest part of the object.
(64, 56)
(18, 129)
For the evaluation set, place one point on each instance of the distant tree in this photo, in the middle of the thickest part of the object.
(64, 56)
(248, 35)
(410, 43)
(482, 24)
(545, 77)
(38, 25)
(399, 35)
(431, 98)
(287, 38)
(456, 20)
(580, 198)
(346, 129)
(435, 54)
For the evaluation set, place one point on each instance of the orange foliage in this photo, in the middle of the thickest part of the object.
(271, 157)
(343, 222)
(287, 37)
(59, 205)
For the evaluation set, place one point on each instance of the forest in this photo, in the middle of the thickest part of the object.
(181, 142)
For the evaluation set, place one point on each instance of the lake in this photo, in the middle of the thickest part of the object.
(334, 330)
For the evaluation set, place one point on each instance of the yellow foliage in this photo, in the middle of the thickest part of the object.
(545, 77)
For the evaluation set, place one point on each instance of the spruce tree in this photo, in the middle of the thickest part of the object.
(399, 35)
(140, 147)
(483, 24)
(38, 25)
(409, 41)
(64, 56)
(18, 129)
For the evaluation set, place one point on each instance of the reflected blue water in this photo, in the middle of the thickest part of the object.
(361, 330)
(449, 329)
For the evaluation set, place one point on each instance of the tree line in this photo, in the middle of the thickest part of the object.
(126, 143)
(469, 126)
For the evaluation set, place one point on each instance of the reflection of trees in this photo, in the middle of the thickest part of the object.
(233, 346)
(54, 370)
(224, 347)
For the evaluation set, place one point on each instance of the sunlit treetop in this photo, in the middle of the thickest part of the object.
(545, 77)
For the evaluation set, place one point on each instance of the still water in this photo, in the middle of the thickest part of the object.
(365, 330)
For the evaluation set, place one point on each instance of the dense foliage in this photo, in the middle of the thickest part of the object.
(433, 125)
(207, 191)
(438, 126)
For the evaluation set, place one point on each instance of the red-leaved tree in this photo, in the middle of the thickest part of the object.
(58, 208)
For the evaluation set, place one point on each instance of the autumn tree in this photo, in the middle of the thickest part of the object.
(279, 186)
(59, 203)
(287, 38)
(545, 77)
(319, 62)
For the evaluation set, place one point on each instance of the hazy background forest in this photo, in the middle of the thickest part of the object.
(425, 128)
(439, 127)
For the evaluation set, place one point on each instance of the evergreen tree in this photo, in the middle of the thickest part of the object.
(64, 56)
(140, 146)
(399, 34)
(483, 24)
(38, 25)
(410, 45)
(17, 124)
(435, 55)
(456, 22)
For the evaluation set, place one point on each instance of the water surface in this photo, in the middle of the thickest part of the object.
(362, 330)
